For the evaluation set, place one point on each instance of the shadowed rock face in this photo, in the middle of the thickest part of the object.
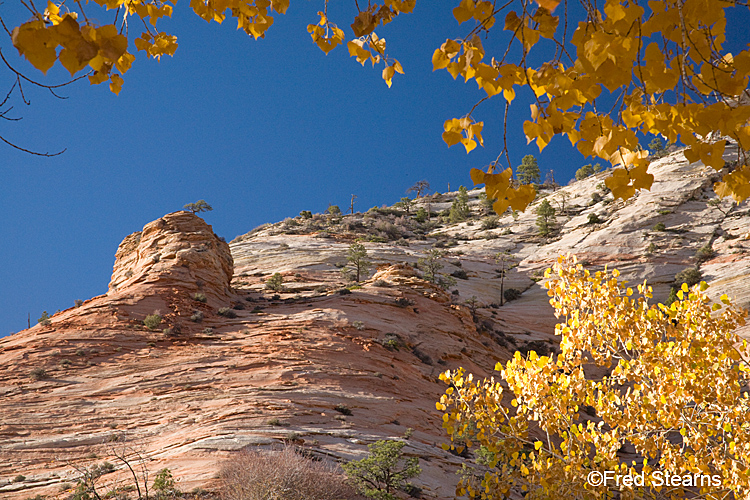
(178, 250)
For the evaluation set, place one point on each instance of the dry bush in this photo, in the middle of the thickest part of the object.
(281, 475)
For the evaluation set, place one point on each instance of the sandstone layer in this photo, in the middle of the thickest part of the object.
(289, 364)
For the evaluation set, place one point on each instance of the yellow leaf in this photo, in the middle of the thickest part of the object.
(550, 5)
(116, 84)
(388, 73)
(124, 63)
(464, 11)
(363, 24)
(452, 138)
(35, 42)
(439, 60)
(469, 144)
(512, 21)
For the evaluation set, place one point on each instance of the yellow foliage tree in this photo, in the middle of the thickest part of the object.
(662, 64)
(647, 401)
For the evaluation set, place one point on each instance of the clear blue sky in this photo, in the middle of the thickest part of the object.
(260, 129)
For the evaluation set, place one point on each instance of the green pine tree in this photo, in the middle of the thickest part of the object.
(460, 207)
(545, 220)
(528, 171)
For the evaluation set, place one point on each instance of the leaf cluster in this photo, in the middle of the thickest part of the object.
(674, 389)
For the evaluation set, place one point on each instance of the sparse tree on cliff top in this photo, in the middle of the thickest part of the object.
(665, 63)
(198, 207)
(419, 187)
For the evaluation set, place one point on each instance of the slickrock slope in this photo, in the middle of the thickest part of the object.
(276, 366)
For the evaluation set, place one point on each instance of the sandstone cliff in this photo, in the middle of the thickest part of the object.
(251, 366)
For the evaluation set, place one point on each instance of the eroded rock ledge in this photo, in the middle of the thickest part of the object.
(178, 250)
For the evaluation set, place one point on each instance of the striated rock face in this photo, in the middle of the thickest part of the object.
(201, 385)
(177, 251)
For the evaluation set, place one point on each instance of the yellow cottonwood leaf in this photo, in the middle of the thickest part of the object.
(116, 84)
(440, 60)
(464, 11)
(36, 43)
(363, 24)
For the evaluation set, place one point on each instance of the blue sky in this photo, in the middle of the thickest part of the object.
(260, 129)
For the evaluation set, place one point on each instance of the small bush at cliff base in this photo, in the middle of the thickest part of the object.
(200, 297)
(164, 486)
(379, 475)
(227, 312)
(282, 475)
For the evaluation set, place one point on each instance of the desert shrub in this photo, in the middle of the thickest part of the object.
(422, 356)
(197, 317)
(44, 319)
(490, 222)
(651, 248)
(421, 215)
(200, 297)
(78, 303)
(275, 282)
(152, 320)
(705, 253)
(333, 210)
(359, 325)
(164, 486)
(594, 219)
(511, 294)
(586, 171)
(380, 283)
(227, 312)
(280, 475)
(459, 210)
(690, 275)
(403, 302)
(388, 230)
(343, 409)
(460, 274)
(659, 226)
(382, 472)
(19, 479)
(306, 214)
(663, 212)
(38, 374)
(595, 198)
